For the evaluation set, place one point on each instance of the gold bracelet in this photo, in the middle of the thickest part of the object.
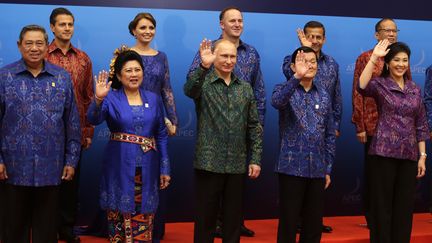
(374, 63)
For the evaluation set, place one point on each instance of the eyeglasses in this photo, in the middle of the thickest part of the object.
(388, 31)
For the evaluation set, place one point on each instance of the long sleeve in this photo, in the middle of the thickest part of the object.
(283, 92)
(86, 99)
(73, 130)
(195, 65)
(428, 96)
(254, 133)
(422, 131)
(330, 144)
(194, 83)
(97, 114)
(259, 91)
(286, 67)
(357, 99)
(168, 95)
(337, 103)
(2, 110)
(162, 142)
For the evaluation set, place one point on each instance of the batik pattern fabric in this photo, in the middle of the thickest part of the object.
(40, 128)
(365, 112)
(247, 68)
(402, 122)
(119, 160)
(306, 131)
(131, 227)
(328, 78)
(79, 66)
(157, 80)
(428, 96)
(228, 123)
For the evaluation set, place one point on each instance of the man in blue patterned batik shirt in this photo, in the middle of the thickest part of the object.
(247, 69)
(307, 149)
(313, 36)
(40, 139)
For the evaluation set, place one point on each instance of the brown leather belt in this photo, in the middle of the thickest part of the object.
(145, 142)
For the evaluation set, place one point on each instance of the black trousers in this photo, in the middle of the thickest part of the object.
(304, 197)
(392, 194)
(31, 213)
(366, 168)
(210, 189)
(2, 210)
(69, 203)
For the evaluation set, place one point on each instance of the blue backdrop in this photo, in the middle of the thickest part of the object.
(99, 30)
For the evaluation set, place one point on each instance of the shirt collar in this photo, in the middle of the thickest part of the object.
(409, 85)
(47, 67)
(241, 45)
(214, 77)
(53, 47)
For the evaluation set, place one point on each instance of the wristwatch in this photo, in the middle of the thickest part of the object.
(423, 154)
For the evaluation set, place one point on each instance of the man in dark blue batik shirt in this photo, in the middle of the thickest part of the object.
(307, 148)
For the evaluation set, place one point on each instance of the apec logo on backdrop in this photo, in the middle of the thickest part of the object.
(187, 130)
(417, 66)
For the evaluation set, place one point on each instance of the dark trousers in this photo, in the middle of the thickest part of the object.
(366, 168)
(304, 197)
(159, 219)
(2, 210)
(392, 194)
(31, 213)
(210, 189)
(69, 203)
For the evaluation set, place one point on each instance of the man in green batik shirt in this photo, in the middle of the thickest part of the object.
(228, 127)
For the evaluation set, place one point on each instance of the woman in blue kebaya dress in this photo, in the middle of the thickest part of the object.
(135, 164)
(156, 72)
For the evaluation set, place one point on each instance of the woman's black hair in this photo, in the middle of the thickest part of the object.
(121, 60)
(395, 48)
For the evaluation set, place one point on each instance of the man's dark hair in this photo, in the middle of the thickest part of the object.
(59, 11)
(305, 49)
(32, 27)
(222, 13)
(378, 24)
(314, 24)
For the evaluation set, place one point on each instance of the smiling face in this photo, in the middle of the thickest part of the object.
(131, 75)
(33, 48)
(398, 65)
(232, 23)
(144, 31)
(226, 57)
(63, 28)
(316, 37)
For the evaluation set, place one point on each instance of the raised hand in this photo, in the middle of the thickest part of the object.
(101, 86)
(301, 66)
(380, 49)
(302, 38)
(206, 54)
